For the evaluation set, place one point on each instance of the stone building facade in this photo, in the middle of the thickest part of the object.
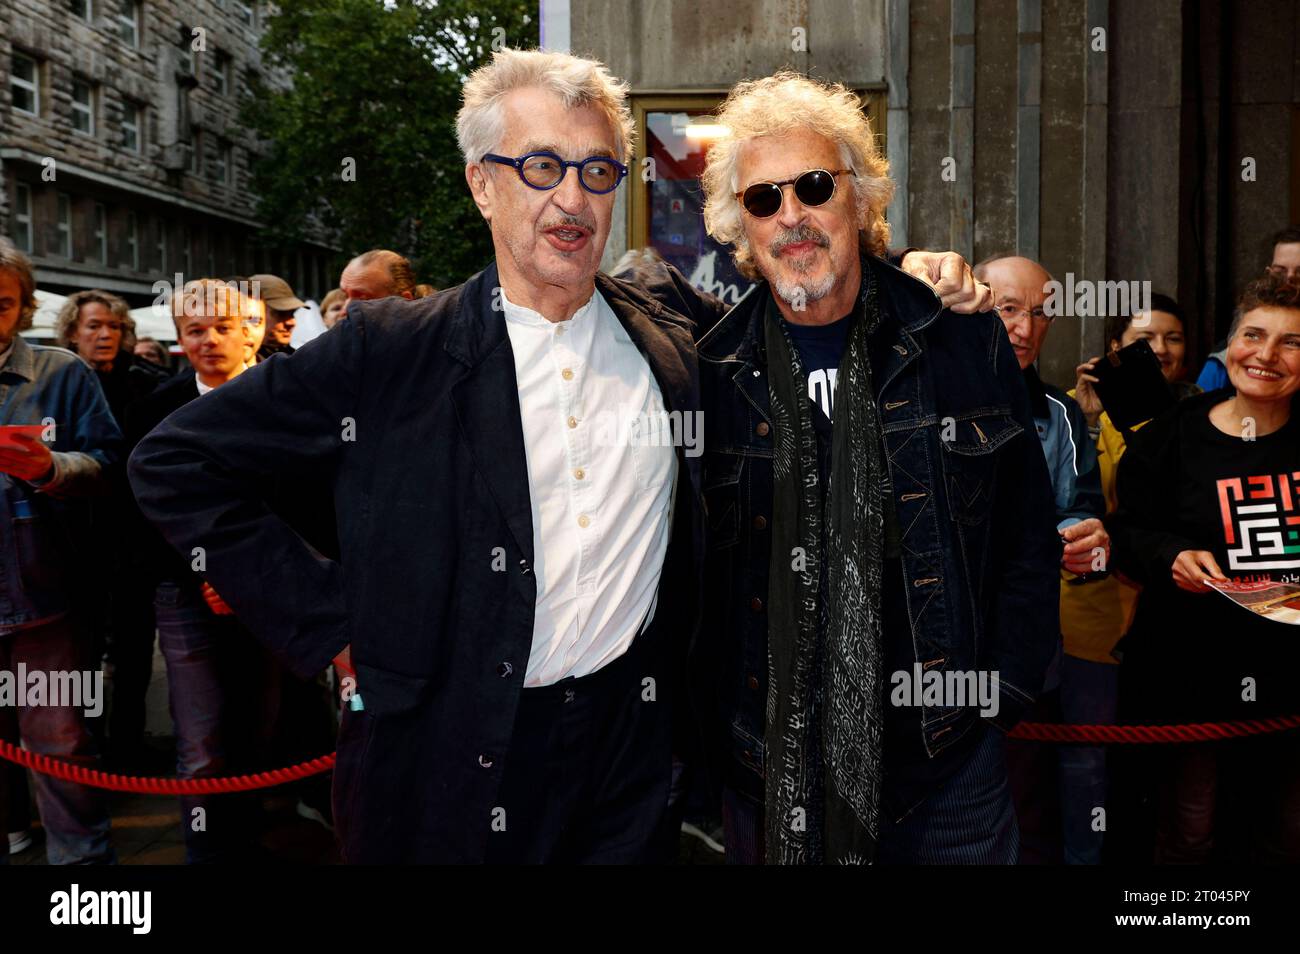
(121, 158)
(1113, 140)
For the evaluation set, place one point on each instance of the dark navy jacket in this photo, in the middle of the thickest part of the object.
(980, 553)
(411, 410)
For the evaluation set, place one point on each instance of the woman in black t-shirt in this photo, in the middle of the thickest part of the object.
(1210, 491)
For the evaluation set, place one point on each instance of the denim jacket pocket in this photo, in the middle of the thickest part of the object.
(747, 748)
(970, 462)
(722, 499)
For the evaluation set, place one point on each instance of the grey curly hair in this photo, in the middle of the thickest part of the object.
(774, 106)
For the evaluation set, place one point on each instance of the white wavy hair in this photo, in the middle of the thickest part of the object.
(480, 124)
(775, 106)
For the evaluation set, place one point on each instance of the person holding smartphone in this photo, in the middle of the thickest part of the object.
(1094, 617)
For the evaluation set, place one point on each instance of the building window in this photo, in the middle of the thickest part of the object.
(82, 10)
(25, 85)
(101, 233)
(23, 217)
(244, 13)
(187, 254)
(221, 165)
(221, 75)
(188, 60)
(131, 117)
(162, 246)
(130, 22)
(196, 150)
(212, 255)
(133, 240)
(65, 225)
(83, 106)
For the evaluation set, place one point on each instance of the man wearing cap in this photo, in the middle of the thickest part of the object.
(280, 301)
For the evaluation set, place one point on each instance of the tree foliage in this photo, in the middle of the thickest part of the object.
(375, 90)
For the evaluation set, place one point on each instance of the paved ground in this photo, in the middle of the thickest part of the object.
(146, 829)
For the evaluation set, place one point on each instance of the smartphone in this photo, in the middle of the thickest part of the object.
(1131, 386)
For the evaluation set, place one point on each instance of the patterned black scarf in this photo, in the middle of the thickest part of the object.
(825, 655)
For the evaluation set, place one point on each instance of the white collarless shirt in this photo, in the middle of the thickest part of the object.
(600, 492)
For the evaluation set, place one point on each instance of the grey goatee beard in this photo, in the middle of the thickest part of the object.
(795, 292)
(790, 292)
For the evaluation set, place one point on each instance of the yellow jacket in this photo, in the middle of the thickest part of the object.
(1096, 614)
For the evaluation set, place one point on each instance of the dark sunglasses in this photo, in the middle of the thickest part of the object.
(545, 170)
(814, 187)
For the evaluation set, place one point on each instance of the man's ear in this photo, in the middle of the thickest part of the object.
(478, 189)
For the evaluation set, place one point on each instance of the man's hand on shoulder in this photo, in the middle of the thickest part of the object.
(952, 280)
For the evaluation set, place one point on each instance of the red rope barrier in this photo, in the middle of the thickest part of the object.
(1036, 731)
(71, 772)
(1142, 734)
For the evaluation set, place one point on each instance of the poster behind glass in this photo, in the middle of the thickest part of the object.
(676, 206)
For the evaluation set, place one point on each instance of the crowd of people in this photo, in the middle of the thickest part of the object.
(532, 645)
(91, 583)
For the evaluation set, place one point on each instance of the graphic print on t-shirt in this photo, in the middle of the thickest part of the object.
(821, 390)
(1261, 521)
(820, 349)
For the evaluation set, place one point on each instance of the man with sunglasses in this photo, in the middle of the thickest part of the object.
(880, 516)
(512, 581)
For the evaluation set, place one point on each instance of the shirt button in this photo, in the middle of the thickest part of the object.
(573, 422)
(756, 605)
(762, 429)
(485, 761)
(567, 374)
(559, 329)
(760, 522)
(579, 474)
(505, 669)
(584, 521)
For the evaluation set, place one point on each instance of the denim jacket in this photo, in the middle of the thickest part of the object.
(980, 553)
(46, 524)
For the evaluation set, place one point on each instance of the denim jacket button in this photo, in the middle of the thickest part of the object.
(752, 682)
(760, 522)
(762, 429)
(756, 605)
